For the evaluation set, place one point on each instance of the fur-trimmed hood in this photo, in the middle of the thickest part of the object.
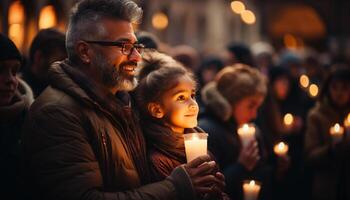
(215, 102)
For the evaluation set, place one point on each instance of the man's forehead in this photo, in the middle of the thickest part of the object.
(119, 30)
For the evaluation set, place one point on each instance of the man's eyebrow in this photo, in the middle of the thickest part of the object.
(125, 40)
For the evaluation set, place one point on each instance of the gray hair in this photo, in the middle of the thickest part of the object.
(84, 18)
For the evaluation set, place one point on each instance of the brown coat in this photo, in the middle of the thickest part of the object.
(74, 149)
(331, 165)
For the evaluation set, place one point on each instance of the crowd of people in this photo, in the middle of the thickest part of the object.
(100, 112)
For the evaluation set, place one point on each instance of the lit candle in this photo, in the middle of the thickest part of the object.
(246, 133)
(336, 132)
(347, 125)
(251, 190)
(195, 145)
(288, 119)
(281, 149)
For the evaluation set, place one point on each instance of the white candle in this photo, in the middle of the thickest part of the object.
(288, 119)
(246, 133)
(251, 190)
(336, 132)
(195, 145)
(281, 149)
(347, 125)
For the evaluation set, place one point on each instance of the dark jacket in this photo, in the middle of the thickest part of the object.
(11, 121)
(331, 165)
(224, 144)
(82, 143)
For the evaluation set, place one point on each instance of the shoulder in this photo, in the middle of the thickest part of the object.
(162, 166)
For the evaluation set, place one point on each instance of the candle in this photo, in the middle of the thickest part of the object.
(288, 119)
(251, 190)
(281, 149)
(246, 133)
(336, 132)
(347, 125)
(195, 145)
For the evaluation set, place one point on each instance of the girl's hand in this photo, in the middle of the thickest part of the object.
(249, 155)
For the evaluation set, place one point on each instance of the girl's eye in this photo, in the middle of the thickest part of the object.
(193, 95)
(181, 98)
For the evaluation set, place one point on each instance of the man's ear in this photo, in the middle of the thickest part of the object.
(84, 51)
(155, 110)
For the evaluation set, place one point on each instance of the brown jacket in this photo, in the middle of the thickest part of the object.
(74, 148)
(331, 165)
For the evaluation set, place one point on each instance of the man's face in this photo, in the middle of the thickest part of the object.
(117, 70)
(8, 80)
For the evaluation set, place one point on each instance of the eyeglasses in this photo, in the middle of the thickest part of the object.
(127, 48)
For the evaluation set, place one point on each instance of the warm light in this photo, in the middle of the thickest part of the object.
(47, 17)
(16, 34)
(160, 21)
(336, 127)
(313, 90)
(290, 41)
(237, 7)
(281, 149)
(195, 145)
(347, 121)
(248, 17)
(16, 13)
(246, 133)
(252, 183)
(288, 119)
(251, 190)
(304, 81)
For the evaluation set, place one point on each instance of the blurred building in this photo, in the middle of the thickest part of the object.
(207, 25)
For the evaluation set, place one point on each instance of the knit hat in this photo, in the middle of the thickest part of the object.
(8, 49)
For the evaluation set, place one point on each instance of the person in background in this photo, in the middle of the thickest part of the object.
(328, 157)
(15, 99)
(82, 138)
(232, 100)
(47, 47)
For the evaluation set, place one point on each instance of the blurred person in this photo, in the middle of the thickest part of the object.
(186, 55)
(239, 53)
(148, 39)
(47, 47)
(263, 53)
(166, 100)
(329, 158)
(208, 69)
(232, 100)
(15, 99)
(82, 139)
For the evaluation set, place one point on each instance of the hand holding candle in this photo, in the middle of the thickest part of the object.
(281, 149)
(195, 145)
(336, 132)
(246, 133)
(251, 190)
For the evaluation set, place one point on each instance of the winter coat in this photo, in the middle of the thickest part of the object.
(11, 120)
(83, 143)
(224, 143)
(330, 165)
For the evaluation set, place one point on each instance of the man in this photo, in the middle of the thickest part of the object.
(47, 47)
(82, 139)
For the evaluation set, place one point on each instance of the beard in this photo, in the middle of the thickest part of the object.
(113, 76)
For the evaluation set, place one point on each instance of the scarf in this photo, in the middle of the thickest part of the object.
(118, 110)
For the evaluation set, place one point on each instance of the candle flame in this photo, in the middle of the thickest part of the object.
(336, 127)
(281, 145)
(304, 81)
(252, 182)
(347, 121)
(288, 119)
(195, 137)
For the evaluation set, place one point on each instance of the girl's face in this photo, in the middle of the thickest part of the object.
(246, 109)
(8, 80)
(340, 93)
(178, 107)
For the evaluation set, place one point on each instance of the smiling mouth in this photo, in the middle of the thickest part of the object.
(129, 69)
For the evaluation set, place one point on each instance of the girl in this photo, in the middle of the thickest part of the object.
(165, 97)
(329, 158)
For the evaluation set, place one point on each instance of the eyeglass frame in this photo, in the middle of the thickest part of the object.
(138, 46)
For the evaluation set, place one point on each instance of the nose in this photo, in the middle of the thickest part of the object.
(135, 56)
(194, 105)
